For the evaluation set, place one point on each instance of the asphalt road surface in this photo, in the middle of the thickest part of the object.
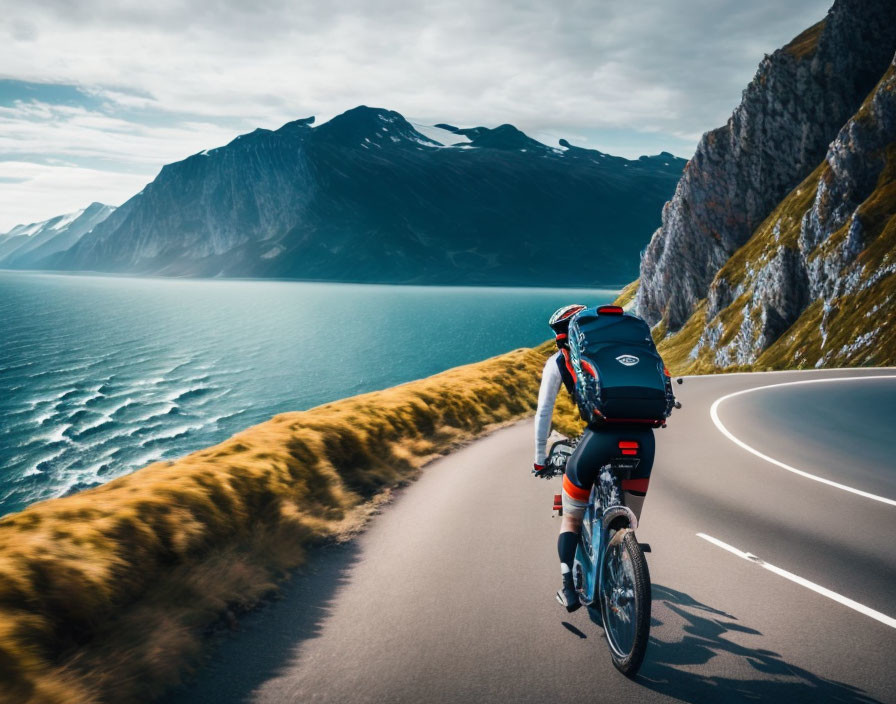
(448, 596)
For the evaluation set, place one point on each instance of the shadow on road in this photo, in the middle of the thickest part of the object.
(706, 633)
(270, 640)
(572, 629)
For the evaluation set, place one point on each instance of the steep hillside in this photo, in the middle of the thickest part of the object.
(367, 197)
(816, 283)
(791, 111)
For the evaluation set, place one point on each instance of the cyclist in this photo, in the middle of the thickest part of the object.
(598, 445)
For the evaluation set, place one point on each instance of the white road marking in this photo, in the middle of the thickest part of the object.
(713, 412)
(861, 608)
(869, 370)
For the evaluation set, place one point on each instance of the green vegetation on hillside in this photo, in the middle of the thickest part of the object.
(860, 328)
(850, 318)
(854, 326)
(780, 229)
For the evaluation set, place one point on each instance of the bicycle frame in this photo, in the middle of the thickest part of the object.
(606, 519)
(609, 569)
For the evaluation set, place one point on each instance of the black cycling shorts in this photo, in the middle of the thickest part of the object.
(597, 447)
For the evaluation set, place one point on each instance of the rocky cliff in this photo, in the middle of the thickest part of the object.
(816, 283)
(369, 197)
(792, 110)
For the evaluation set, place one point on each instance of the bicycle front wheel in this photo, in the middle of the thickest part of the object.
(625, 603)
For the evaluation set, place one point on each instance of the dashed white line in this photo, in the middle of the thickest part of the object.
(861, 608)
(713, 412)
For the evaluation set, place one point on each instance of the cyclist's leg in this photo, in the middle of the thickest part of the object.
(576, 492)
(575, 501)
(634, 489)
(594, 450)
(597, 447)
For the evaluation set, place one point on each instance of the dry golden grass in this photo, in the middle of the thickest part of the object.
(803, 46)
(780, 229)
(860, 328)
(627, 295)
(852, 317)
(104, 595)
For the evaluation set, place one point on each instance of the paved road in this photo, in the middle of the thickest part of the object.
(448, 597)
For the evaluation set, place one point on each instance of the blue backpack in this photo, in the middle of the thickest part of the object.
(619, 375)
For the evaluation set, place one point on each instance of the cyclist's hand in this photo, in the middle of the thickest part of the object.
(542, 472)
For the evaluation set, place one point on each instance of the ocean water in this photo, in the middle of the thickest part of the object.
(102, 375)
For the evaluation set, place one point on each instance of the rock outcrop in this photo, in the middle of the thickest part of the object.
(799, 99)
(816, 284)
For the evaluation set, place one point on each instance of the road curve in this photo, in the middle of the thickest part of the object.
(448, 596)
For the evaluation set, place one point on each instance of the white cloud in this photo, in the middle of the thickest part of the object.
(123, 156)
(39, 128)
(671, 66)
(652, 66)
(50, 190)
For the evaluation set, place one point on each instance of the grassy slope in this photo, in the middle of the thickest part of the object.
(627, 296)
(849, 319)
(803, 46)
(852, 317)
(104, 594)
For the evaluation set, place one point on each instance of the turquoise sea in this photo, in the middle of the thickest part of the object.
(102, 375)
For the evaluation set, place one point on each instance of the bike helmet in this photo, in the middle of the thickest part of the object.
(559, 321)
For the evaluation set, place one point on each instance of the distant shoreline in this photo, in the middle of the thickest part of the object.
(610, 288)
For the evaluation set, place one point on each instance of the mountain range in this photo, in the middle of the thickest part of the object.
(369, 197)
(778, 248)
(30, 246)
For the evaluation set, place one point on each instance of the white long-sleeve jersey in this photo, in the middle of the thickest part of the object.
(547, 396)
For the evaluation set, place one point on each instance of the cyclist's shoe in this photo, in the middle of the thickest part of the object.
(568, 596)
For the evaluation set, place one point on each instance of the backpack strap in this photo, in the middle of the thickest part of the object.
(567, 375)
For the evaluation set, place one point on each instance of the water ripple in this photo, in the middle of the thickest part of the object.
(100, 376)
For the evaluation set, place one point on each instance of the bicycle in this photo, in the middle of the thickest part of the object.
(610, 567)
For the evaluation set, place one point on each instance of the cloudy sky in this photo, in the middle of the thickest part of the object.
(96, 95)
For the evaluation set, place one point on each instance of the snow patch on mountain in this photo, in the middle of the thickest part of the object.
(67, 219)
(30, 246)
(442, 136)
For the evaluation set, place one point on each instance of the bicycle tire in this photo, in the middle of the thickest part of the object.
(628, 663)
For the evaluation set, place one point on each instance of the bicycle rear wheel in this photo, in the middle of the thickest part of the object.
(625, 603)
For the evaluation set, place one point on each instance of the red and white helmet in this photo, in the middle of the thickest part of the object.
(559, 321)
